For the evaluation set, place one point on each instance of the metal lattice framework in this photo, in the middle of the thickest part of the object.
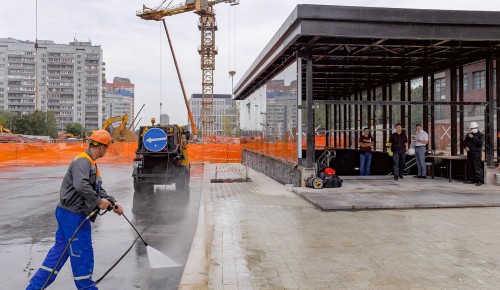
(207, 52)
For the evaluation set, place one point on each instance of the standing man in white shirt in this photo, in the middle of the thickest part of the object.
(422, 138)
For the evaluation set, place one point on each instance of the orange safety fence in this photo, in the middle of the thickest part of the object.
(215, 153)
(48, 154)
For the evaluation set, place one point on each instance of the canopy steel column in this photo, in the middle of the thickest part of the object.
(310, 145)
(497, 70)
(390, 110)
(346, 142)
(453, 113)
(432, 136)
(490, 113)
(369, 109)
(327, 123)
(335, 127)
(425, 98)
(409, 128)
(356, 122)
(384, 118)
(349, 122)
(461, 107)
(361, 114)
(374, 98)
(403, 108)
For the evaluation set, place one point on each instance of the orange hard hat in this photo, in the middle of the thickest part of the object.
(329, 171)
(101, 136)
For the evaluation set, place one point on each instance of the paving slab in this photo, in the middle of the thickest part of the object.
(383, 192)
(259, 235)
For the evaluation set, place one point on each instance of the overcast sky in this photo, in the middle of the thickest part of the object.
(138, 49)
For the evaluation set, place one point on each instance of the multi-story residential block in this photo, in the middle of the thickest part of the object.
(64, 78)
(119, 99)
(225, 115)
(122, 86)
(115, 105)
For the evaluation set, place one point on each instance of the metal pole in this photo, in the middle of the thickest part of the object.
(453, 115)
(193, 126)
(327, 124)
(497, 69)
(403, 108)
(310, 144)
(356, 121)
(461, 107)
(489, 125)
(425, 98)
(433, 114)
(384, 118)
(409, 128)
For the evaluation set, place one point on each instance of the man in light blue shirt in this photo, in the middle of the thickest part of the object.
(421, 140)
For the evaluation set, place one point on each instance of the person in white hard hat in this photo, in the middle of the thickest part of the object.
(473, 145)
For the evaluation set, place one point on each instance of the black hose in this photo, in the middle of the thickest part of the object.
(117, 261)
(67, 246)
(145, 244)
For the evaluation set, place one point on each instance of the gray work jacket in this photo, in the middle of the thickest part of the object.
(81, 188)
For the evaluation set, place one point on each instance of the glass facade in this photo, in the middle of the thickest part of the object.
(268, 117)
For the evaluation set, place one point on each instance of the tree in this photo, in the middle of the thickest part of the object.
(76, 129)
(37, 123)
(6, 118)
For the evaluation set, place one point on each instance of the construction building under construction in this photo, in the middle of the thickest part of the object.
(334, 70)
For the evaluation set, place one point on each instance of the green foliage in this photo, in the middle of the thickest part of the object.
(37, 123)
(6, 117)
(76, 129)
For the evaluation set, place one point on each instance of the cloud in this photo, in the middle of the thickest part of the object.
(137, 49)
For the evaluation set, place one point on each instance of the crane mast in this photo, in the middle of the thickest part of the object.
(207, 50)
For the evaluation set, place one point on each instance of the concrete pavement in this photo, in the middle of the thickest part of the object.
(258, 235)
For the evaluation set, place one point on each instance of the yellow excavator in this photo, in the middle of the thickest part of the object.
(62, 136)
(4, 130)
(122, 126)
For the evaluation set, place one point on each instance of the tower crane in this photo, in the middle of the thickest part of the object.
(207, 50)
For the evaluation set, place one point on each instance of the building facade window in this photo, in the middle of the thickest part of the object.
(478, 80)
(440, 89)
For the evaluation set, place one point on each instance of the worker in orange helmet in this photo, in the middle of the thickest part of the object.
(80, 195)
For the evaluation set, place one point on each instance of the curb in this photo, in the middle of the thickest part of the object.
(195, 275)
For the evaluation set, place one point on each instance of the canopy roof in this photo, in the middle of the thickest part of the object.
(359, 48)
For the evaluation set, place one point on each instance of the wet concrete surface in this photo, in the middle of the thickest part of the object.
(167, 218)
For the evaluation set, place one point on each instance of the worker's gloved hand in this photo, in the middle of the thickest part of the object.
(104, 204)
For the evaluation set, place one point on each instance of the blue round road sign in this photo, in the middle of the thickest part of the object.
(155, 139)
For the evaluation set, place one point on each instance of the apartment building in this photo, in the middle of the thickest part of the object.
(64, 78)
(115, 105)
(124, 87)
(225, 113)
(119, 99)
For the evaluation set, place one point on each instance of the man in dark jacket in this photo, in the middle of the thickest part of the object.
(81, 193)
(397, 143)
(473, 145)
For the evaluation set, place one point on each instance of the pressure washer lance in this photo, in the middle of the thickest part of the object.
(156, 258)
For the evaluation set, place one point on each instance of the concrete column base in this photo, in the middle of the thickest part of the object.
(305, 173)
(489, 175)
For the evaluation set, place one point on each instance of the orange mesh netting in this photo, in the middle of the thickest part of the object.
(60, 153)
(47, 154)
(215, 153)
